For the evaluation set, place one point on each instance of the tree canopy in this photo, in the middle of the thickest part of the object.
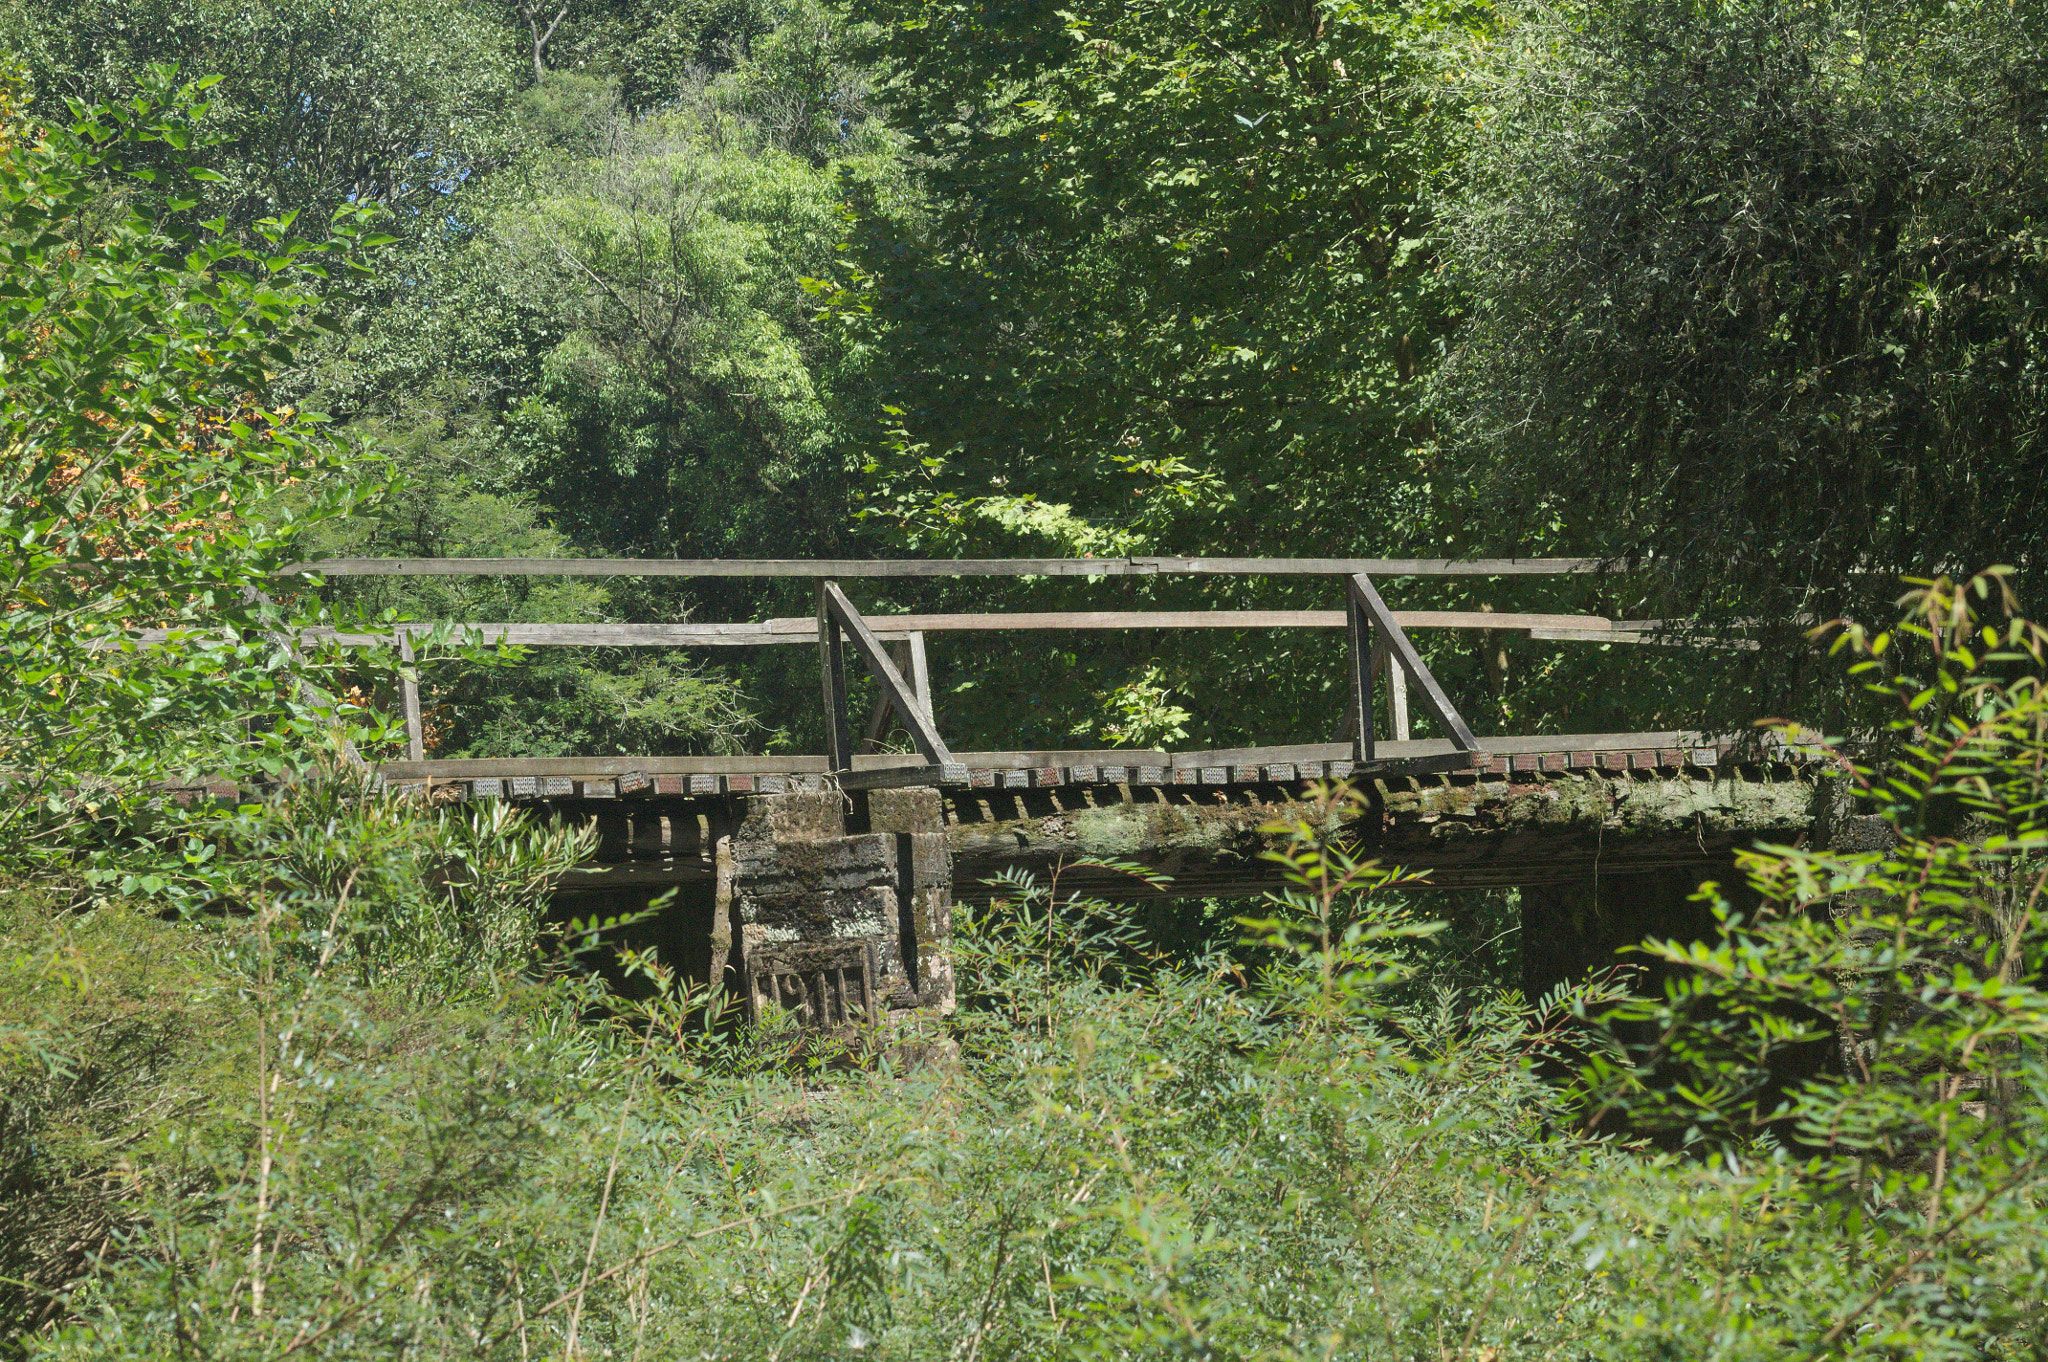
(1757, 296)
(1739, 299)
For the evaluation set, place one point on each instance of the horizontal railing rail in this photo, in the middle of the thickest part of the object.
(943, 567)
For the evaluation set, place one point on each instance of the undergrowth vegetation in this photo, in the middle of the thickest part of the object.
(362, 1105)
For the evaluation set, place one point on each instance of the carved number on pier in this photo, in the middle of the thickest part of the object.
(824, 983)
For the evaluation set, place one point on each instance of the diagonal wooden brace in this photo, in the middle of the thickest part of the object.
(839, 623)
(1372, 623)
(909, 656)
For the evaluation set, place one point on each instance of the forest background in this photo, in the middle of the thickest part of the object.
(1745, 299)
(1754, 295)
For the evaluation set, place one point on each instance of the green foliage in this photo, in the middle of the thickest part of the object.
(1175, 289)
(356, 1164)
(1756, 292)
(1178, 277)
(1311, 1144)
(323, 105)
(143, 483)
(311, 1075)
(129, 1045)
(1864, 1051)
(617, 353)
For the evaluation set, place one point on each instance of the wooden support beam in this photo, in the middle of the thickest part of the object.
(1636, 637)
(901, 628)
(1212, 619)
(896, 777)
(910, 660)
(878, 724)
(1364, 597)
(920, 673)
(839, 615)
(878, 717)
(471, 768)
(938, 567)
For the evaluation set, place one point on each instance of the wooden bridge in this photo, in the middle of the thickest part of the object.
(825, 882)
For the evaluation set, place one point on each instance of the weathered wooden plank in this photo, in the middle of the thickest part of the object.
(1091, 756)
(832, 668)
(906, 628)
(712, 567)
(1421, 765)
(920, 672)
(1379, 567)
(471, 768)
(1397, 699)
(1054, 620)
(938, 567)
(1619, 635)
(1145, 766)
(1360, 718)
(743, 634)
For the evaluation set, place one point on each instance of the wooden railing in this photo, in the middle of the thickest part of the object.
(892, 647)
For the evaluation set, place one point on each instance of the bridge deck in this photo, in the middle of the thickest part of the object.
(558, 778)
(1530, 810)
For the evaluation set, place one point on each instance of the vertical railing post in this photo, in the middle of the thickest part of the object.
(921, 675)
(1362, 642)
(832, 662)
(409, 697)
(884, 709)
(1397, 696)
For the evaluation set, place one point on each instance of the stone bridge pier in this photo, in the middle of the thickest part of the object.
(836, 907)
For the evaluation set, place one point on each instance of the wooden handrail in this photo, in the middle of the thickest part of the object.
(821, 568)
(897, 628)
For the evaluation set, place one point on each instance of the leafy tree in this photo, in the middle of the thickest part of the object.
(1900, 1177)
(1175, 291)
(146, 484)
(651, 53)
(617, 354)
(323, 105)
(1757, 295)
(1178, 278)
